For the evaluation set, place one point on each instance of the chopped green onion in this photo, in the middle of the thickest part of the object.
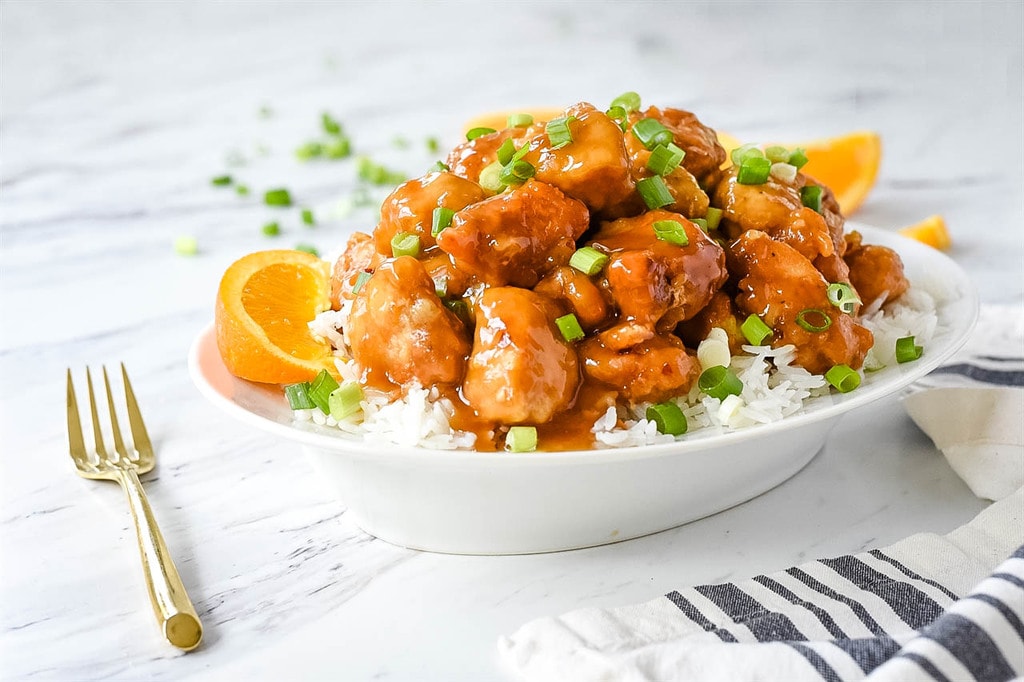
(399, 142)
(810, 196)
(805, 319)
(570, 327)
(651, 133)
(665, 158)
(272, 229)
(320, 390)
(186, 245)
(344, 400)
(377, 174)
(719, 382)
(671, 231)
(506, 150)
(516, 173)
(307, 216)
(777, 154)
(747, 151)
(221, 180)
(331, 126)
(783, 172)
(588, 260)
(340, 148)
(277, 197)
(906, 351)
(520, 121)
(441, 286)
(361, 279)
(842, 296)
(298, 396)
(433, 145)
(521, 439)
(654, 192)
(617, 114)
(558, 131)
(440, 219)
(440, 167)
(754, 170)
(461, 310)
(474, 133)
(756, 331)
(490, 177)
(405, 244)
(668, 418)
(797, 158)
(309, 151)
(701, 223)
(843, 378)
(265, 111)
(307, 248)
(628, 101)
(242, 190)
(713, 217)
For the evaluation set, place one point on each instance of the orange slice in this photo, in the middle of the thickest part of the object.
(264, 305)
(848, 165)
(931, 231)
(499, 119)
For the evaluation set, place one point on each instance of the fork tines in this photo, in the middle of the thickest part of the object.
(76, 436)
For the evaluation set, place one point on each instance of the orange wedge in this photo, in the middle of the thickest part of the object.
(499, 119)
(931, 231)
(847, 165)
(264, 305)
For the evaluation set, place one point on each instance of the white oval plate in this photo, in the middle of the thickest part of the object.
(471, 502)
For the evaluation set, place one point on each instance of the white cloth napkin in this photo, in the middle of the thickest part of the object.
(928, 607)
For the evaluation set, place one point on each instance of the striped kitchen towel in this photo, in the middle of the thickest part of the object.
(928, 607)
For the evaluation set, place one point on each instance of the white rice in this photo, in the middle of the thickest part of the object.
(773, 388)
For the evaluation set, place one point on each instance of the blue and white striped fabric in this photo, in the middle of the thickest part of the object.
(928, 607)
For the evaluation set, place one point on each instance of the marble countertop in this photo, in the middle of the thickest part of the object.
(114, 117)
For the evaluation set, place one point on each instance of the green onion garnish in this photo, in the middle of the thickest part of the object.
(813, 320)
(440, 219)
(665, 158)
(377, 174)
(588, 260)
(651, 133)
(399, 142)
(405, 244)
(461, 310)
(272, 229)
(344, 400)
(747, 151)
(242, 190)
(221, 180)
(506, 150)
(307, 248)
(755, 330)
(520, 121)
(361, 279)
(777, 154)
(331, 126)
(308, 151)
(516, 173)
(617, 114)
(843, 378)
(320, 390)
(433, 145)
(628, 101)
(277, 197)
(186, 245)
(906, 351)
(558, 131)
(671, 231)
(570, 327)
(668, 418)
(307, 216)
(521, 439)
(474, 133)
(754, 171)
(298, 396)
(654, 192)
(720, 382)
(714, 217)
(490, 178)
(842, 296)
(810, 196)
(701, 223)
(797, 158)
(440, 167)
(441, 286)
(340, 148)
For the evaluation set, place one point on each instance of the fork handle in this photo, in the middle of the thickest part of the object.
(173, 608)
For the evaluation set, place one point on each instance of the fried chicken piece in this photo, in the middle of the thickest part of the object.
(521, 369)
(359, 256)
(704, 155)
(779, 284)
(719, 312)
(579, 292)
(410, 208)
(657, 283)
(468, 159)
(876, 272)
(516, 237)
(400, 330)
(639, 364)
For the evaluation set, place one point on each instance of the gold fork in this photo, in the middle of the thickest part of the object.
(171, 604)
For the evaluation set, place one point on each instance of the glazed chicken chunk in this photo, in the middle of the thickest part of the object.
(410, 208)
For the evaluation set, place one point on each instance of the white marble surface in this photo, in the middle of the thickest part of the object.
(113, 118)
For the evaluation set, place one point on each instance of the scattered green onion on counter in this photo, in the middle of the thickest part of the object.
(307, 217)
(242, 190)
(719, 382)
(756, 331)
(330, 124)
(906, 351)
(843, 378)
(277, 197)
(221, 180)
(671, 231)
(570, 327)
(588, 260)
(272, 229)
(308, 248)
(668, 418)
(521, 439)
(186, 245)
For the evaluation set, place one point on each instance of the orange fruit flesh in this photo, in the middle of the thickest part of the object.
(931, 231)
(264, 304)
